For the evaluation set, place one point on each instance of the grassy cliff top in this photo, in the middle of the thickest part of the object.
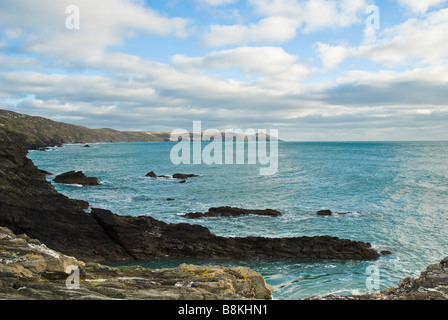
(35, 132)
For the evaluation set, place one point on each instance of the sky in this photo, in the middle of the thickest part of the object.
(315, 70)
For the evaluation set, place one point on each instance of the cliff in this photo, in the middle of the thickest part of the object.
(36, 132)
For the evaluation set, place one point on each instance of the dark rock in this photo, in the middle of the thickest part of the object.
(169, 199)
(232, 212)
(324, 212)
(184, 176)
(430, 285)
(86, 146)
(29, 204)
(151, 174)
(45, 172)
(146, 237)
(385, 252)
(183, 181)
(73, 177)
(29, 271)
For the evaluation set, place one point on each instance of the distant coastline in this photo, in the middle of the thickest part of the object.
(34, 132)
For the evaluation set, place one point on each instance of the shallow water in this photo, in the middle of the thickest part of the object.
(396, 194)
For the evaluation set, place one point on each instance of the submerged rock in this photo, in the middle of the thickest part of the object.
(324, 212)
(232, 212)
(79, 177)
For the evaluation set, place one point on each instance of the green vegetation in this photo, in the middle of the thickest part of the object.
(37, 132)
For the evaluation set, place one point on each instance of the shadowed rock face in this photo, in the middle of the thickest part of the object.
(29, 204)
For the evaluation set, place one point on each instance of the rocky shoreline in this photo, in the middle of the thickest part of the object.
(29, 204)
(432, 284)
(31, 271)
(33, 215)
(232, 212)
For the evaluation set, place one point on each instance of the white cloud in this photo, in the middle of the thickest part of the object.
(272, 29)
(103, 23)
(415, 42)
(217, 2)
(271, 66)
(283, 18)
(420, 6)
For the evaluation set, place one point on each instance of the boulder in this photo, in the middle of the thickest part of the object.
(79, 177)
(151, 174)
(324, 212)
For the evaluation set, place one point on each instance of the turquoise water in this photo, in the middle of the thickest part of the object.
(396, 193)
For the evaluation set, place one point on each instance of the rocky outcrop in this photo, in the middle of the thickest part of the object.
(329, 212)
(79, 177)
(29, 204)
(37, 132)
(181, 176)
(232, 212)
(143, 237)
(432, 284)
(151, 174)
(30, 270)
(184, 176)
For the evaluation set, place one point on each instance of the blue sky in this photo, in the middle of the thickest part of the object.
(309, 68)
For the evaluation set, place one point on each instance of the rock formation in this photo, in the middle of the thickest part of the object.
(29, 204)
(324, 212)
(232, 212)
(184, 176)
(30, 270)
(432, 284)
(79, 177)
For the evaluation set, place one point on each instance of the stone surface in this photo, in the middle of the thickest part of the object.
(432, 284)
(79, 177)
(29, 270)
(184, 176)
(232, 212)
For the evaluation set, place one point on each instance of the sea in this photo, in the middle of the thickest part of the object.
(394, 196)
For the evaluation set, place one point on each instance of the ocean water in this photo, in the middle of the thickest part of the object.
(396, 194)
